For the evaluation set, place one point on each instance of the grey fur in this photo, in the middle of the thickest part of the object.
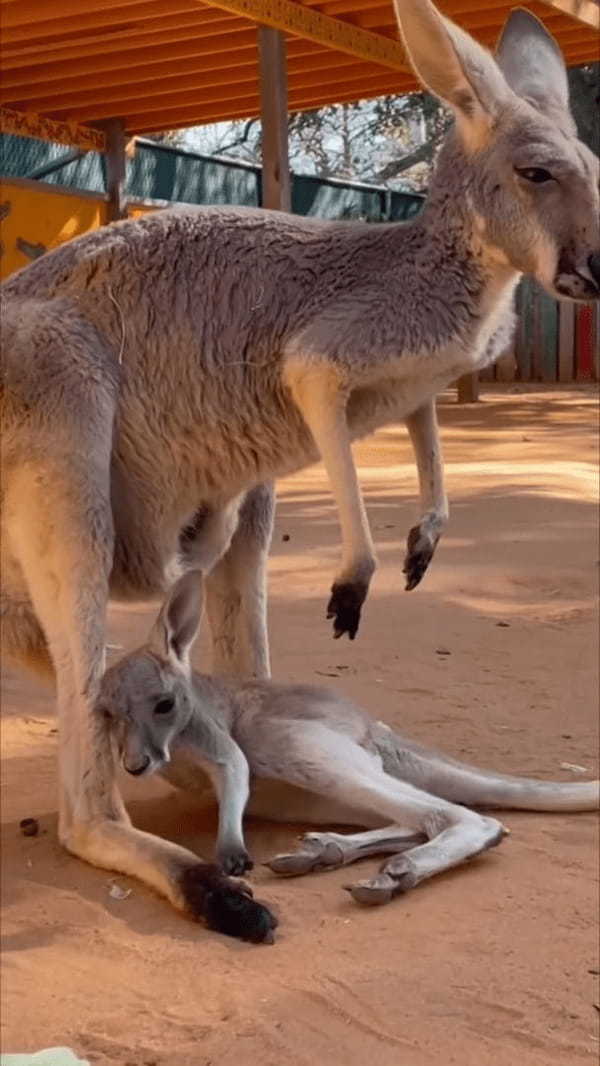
(158, 372)
(190, 726)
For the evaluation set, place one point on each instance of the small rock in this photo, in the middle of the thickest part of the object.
(503, 625)
(567, 736)
(116, 892)
(285, 537)
(442, 651)
(574, 768)
(326, 673)
(29, 827)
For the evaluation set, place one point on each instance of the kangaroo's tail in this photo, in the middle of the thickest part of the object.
(460, 783)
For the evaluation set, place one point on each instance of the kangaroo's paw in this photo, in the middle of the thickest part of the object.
(318, 851)
(421, 544)
(235, 861)
(344, 607)
(226, 906)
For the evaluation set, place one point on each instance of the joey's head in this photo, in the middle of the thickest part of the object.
(147, 696)
(530, 185)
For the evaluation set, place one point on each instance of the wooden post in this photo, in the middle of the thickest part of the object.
(468, 388)
(276, 186)
(115, 169)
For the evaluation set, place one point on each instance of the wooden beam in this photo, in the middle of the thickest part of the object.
(28, 12)
(246, 104)
(65, 27)
(248, 108)
(359, 76)
(585, 11)
(84, 103)
(30, 124)
(120, 38)
(115, 169)
(333, 33)
(187, 58)
(275, 178)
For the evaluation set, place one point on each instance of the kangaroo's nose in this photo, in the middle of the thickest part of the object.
(594, 265)
(139, 768)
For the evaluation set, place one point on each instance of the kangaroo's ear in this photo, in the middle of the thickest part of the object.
(176, 627)
(532, 64)
(454, 67)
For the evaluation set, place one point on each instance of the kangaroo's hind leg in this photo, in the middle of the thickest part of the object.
(332, 764)
(236, 601)
(58, 520)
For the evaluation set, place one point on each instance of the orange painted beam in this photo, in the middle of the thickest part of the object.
(249, 109)
(86, 104)
(30, 124)
(111, 38)
(162, 32)
(91, 20)
(359, 77)
(30, 12)
(241, 56)
(585, 11)
(296, 18)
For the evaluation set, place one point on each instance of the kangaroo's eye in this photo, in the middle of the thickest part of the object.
(535, 174)
(165, 705)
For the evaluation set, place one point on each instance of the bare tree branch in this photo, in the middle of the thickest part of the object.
(422, 154)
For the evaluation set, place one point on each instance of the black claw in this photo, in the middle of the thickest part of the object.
(344, 606)
(416, 561)
(226, 906)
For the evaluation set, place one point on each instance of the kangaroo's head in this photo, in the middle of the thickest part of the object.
(531, 185)
(147, 695)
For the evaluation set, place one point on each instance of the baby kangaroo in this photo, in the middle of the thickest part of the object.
(317, 757)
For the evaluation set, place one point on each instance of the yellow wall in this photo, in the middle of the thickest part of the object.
(36, 217)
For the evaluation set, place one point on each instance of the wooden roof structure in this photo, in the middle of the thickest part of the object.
(69, 67)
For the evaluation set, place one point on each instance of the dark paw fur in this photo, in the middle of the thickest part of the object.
(235, 863)
(417, 559)
(226, 906)
(344, 606)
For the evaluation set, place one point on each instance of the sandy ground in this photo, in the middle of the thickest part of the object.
(493, 963)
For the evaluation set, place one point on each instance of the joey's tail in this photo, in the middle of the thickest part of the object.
(460, 783)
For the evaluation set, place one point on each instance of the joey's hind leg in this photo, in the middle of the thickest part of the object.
(329, 851)
(404, 871)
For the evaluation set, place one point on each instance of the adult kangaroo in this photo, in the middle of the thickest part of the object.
(159, 373)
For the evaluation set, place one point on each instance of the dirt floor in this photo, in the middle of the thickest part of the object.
(493, 659)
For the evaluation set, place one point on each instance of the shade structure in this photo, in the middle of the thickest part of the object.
(167, 64)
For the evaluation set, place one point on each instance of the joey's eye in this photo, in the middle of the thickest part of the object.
(165, 705)
(535, 174)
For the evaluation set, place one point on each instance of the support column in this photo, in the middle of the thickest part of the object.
(468, 388)
(276, 185)
(115, 169)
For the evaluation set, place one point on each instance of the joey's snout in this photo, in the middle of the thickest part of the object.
(139, 755)
(137, 769)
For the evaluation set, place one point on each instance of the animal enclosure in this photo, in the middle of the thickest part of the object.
(494, 659)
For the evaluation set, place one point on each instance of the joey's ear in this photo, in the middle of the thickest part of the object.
(177, 625)
(454, 67)
(533, 65)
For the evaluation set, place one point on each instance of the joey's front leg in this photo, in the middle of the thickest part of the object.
(423, 538)
(230, 777)
(321, 396)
